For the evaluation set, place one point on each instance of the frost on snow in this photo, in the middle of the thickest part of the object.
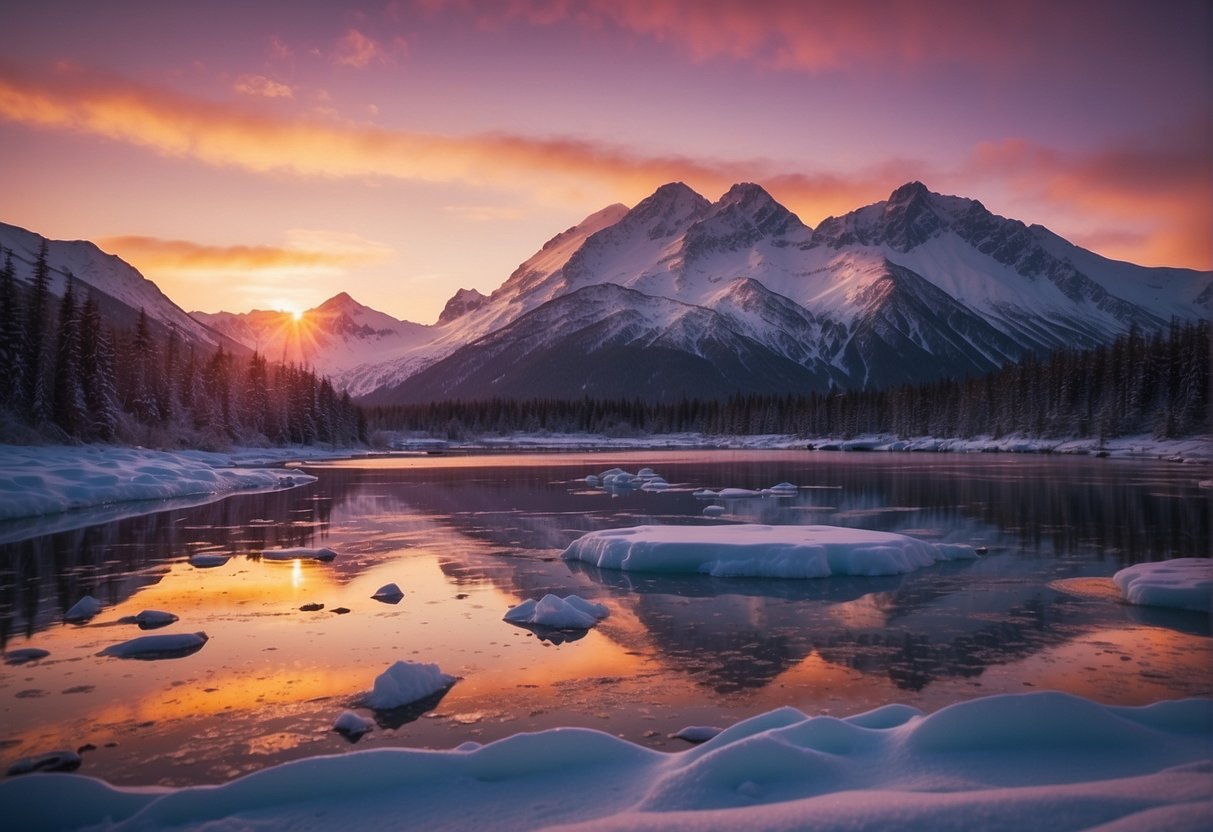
(1018, 761)
(570, 613)
(168, 646)
(299, 553)
(83, 610)
(405, 683)
(1183, 583)
(759, 551)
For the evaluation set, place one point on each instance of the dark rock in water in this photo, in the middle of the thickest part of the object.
(149, 619)
(175, 646)
(25, 654)
(88, 746)
(54, 761)
(388, 594)
(311, 607)
(341, 610)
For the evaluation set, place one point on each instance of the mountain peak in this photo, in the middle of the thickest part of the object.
(461, 303)
(907, 192)
(669, 210)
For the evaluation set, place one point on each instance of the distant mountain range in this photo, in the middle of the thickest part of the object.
(680, 296)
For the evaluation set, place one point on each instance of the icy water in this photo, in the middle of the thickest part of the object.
(468, 537)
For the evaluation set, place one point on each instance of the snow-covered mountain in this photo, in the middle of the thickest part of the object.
(333, 338)
(118, 288)
(683, 296)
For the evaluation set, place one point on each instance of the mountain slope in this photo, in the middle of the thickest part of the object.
(118, 288)
(916, 287)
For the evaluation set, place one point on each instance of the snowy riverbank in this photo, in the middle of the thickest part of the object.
(1195, 449)
(36, 481)
(1040, 760)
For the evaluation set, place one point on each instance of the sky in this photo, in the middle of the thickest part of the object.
(272, 154)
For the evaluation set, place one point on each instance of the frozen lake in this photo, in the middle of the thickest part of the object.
(466, 538)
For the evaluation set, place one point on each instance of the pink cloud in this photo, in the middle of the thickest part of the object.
(357, 51)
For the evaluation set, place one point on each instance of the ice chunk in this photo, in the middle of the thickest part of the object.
(406, 682)
(352, 724)
(299, 553)
(388, 594)
(713, 511)
(706, 494)
(25, 654)
(167, 646)
(83, 610)
(783, 489)
(569, 613)
(750, 550)
(1182, 583)
(737, 493)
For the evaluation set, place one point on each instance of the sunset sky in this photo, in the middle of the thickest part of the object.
(271, 154)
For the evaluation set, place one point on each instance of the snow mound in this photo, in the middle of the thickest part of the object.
(389, 594)
(83, 610)
(352, 724)
(47, 479)
(406, 682)
(697, 733)
(299, 553)
(167, 646)
(570, 613)
(1023, 761)
(758, 551)
(1182, 583)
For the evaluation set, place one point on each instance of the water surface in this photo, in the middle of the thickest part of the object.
(468, 537)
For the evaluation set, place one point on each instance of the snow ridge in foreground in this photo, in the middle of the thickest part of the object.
(759, 551)
(1009, 761)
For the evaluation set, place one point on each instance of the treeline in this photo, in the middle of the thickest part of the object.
(1155, 384)
(68, 377)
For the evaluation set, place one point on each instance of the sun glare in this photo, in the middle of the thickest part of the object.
(296, 315)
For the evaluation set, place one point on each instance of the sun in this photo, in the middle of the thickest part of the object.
(296, 314)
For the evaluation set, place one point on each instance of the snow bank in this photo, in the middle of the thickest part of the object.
(757, 551)
(404, 683)
(1037, 760)
(570, 613)
(1183, 583)
(167, 646)
(45, 479)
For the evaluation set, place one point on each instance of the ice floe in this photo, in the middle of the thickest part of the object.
(751, 550)
(1182, 583)
(1038, 760)
(713, 511)
(166, 646)
(50, 479)
(569, 613)
(299, 553)
(405, 683)
(84, 609)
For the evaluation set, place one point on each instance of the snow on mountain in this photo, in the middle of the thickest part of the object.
(119, 289)
(334, 338)
(913, 288)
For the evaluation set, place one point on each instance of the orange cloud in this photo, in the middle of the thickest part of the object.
(152, 254)
(810, 35)
(357, 51)
(1161, 191)
(1150, 202)
(260, 85)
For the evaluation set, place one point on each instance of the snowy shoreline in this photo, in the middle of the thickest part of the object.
(1009, 761)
